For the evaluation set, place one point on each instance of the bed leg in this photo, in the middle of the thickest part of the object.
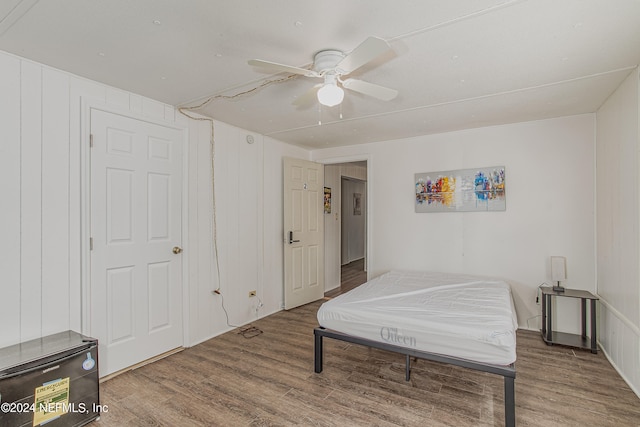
(407, 369)
(509, 402)
(318, 352)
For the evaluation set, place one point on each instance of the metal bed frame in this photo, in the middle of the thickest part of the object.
(508, 372)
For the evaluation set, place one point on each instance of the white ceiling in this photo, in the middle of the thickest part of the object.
(456, 63)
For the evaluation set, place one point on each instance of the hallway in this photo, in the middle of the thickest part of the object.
(351, 276)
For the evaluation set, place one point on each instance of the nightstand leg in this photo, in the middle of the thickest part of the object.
(594, 342)
(549, 317)
(583, 314)
(544, 316)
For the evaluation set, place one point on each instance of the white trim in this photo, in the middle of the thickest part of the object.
(370, 264)
(633, 328)
(621, 317)
(186, 325)
(88, 104)
(620, 371)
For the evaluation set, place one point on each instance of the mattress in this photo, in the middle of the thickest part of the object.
(454, 315)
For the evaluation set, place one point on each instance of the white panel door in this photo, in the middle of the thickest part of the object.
(304, 232)
(136, 265)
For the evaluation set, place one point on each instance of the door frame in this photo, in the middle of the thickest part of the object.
(87, 105)
(369, 258)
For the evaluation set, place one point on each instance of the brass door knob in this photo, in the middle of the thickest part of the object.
(177, 249)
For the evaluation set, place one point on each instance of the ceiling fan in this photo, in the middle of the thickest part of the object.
(331, 65)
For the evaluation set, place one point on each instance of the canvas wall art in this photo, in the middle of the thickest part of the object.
(463, 190)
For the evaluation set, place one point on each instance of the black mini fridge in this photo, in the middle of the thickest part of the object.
(50, 381)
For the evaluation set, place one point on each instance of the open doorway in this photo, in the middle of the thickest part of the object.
(346, 220)
(353, 231)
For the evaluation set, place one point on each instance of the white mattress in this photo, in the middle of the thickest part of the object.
(450, 314)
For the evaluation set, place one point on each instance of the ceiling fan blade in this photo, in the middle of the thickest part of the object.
(309, 97)
(367, 51)
(279, 68)
(376, 91)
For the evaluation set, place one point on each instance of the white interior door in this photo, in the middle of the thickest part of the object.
(136, 266)
(304, 232)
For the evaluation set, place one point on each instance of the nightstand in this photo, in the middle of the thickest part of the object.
(581, 341)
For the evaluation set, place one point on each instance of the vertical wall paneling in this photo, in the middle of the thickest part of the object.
(44, 153)
(208, 305)
(227, 196)
(55, 201)
(202, 278)
(187, 285)
(10, 178)
(259, 218)
(249, 226)
(118, 98)
(31, 201)
(206, 316)
(43, 138)
(249, 202)
(194, 247)
(135, 103)
(151, 108)
(618, 233)
(80, 91)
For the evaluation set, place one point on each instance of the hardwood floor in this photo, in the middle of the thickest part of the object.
(351, 275)
(268, 380)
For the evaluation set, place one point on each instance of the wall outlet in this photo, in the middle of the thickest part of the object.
(252, 294)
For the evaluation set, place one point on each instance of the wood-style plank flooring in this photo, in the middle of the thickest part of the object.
(351, 276)
(268, 380)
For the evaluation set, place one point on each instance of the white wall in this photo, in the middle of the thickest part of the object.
(248, 183)
(40, 215)
(550, 208)
(618, 236)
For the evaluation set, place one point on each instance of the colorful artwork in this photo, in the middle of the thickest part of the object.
(465, 190)
(327, 200)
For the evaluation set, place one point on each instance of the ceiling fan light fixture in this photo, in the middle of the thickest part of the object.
(330, 94)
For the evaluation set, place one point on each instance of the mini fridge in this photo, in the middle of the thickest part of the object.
(50, 381)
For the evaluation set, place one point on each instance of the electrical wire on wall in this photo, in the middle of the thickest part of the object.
(213, 228)
(538, 295)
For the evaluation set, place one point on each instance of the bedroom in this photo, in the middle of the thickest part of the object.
(550, 209)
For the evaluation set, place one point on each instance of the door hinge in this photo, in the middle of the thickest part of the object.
(91, 140)
(90, 243)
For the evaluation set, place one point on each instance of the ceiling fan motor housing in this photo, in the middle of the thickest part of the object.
(326, 60)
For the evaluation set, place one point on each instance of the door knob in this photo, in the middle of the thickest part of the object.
(177, 249)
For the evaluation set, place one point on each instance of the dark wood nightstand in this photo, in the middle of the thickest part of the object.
(581, 341)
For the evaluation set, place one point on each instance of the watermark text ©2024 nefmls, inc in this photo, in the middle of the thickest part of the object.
(61, 407)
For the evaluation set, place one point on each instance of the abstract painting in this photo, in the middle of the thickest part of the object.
(463, 190)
